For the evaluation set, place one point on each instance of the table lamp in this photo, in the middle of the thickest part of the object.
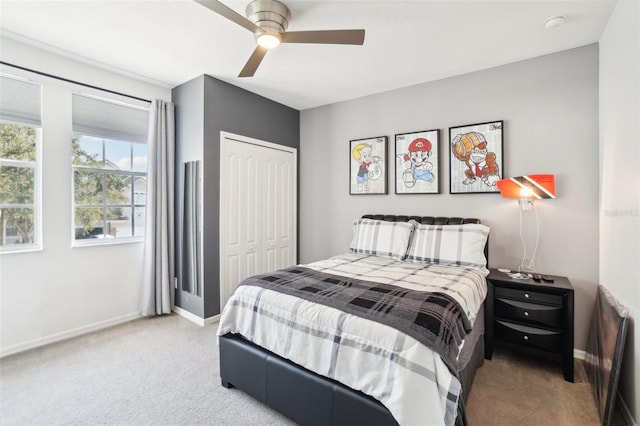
(526, 189)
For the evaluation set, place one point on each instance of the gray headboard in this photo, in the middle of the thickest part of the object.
(427, 220)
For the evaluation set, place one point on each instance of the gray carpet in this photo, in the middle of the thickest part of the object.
(164, 371)
(160, 371)
(515, 390)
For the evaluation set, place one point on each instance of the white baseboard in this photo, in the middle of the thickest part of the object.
(579, 354)
(194, 318)
(212, 320)
(57, 337)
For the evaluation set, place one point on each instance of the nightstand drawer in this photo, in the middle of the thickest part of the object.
(529, 336)
(549, 316)
(528, 296)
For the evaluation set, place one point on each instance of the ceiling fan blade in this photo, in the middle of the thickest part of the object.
(324, 37)
(229, 13)
(254, 61)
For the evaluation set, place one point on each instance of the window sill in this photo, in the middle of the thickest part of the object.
(16, 250)
(108, 242)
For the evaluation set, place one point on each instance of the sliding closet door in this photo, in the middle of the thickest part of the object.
(257, 209)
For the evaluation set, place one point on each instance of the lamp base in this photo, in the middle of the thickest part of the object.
(526, 204)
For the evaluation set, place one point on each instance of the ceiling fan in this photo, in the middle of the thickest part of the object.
(268, 21)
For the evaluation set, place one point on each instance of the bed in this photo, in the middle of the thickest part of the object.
(341, 362)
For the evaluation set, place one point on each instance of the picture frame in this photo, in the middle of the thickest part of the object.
(368, 166)
(417, 160)
(605, 350)
(476, 157)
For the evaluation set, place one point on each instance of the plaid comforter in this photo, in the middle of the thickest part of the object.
(434, 319)
(410, 379)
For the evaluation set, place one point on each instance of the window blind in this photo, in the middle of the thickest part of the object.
(101, 118)
(20, 101)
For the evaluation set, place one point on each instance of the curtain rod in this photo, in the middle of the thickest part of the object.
(74, 82)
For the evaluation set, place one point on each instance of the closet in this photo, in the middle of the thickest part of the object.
(258, 213)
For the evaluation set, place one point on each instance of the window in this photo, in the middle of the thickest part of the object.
(109, 160)
(20, 139)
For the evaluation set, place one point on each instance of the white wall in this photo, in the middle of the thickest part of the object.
(620, 179)
(62, 291)
(550, 110)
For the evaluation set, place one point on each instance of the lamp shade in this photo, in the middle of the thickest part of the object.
(534, 187)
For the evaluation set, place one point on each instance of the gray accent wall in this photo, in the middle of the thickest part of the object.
(550, 110)
(189, 101)
(218, 106)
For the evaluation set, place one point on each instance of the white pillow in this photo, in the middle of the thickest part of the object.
(452, 245)
(381, 238)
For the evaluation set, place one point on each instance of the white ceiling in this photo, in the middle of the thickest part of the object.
(406, 42)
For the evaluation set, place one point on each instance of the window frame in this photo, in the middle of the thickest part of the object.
(104, 206)
(36, 165)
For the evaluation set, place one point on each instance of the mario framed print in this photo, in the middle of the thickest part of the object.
(417, 162)
(368, 166)
(476, 157)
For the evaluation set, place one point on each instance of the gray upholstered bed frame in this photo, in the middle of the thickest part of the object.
(311, 399)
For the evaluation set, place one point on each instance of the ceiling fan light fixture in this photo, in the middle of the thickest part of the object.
(268, 21)
(268, 40)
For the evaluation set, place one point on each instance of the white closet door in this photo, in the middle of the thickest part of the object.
(257, 209)
(279, 211)
(240, 221)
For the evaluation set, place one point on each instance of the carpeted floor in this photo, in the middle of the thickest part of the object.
(514, 390)
(159, 371)
(164, 371)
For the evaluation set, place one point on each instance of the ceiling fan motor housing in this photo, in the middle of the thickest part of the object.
(270, 15)
(268, 21)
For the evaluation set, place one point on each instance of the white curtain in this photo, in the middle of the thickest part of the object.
(158, 275)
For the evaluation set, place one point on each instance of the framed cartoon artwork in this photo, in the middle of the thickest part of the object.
(476, 157)
(417, 162)
(368, 166)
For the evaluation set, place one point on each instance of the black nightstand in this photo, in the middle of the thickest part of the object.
(532, 317)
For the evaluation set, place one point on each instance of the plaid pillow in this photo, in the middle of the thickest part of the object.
(381, 238)
(453, 245)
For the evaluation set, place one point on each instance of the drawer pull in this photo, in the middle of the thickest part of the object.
(526, 314)
(526, 337)
(526, 295)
